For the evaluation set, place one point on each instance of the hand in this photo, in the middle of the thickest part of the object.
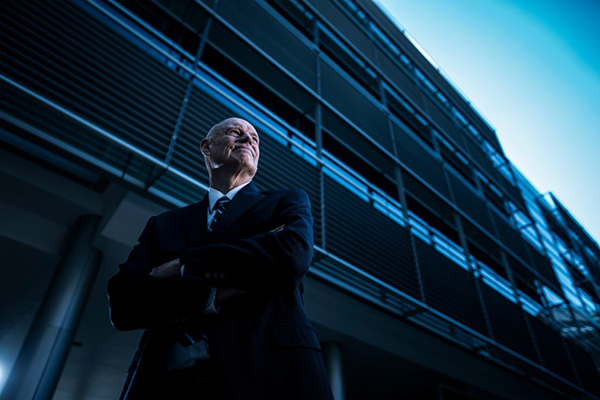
(278, 229)
(170, 269)
(226, 294)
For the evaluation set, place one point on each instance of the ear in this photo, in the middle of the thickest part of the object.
(205, 147)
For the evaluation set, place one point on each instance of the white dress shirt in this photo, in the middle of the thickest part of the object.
(180, 356)
(213, 196)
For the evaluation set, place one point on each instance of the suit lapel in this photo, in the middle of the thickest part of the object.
(194, 222)
(241, 203)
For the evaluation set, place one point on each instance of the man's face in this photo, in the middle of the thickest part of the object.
(233, 143)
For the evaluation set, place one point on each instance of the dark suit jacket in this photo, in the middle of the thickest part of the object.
(262, 345)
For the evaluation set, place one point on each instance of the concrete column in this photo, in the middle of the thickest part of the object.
(46, 347)
(332, 354)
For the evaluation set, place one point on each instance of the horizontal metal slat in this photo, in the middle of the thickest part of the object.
(256, 64)
(510, 236)
(260, 26)
(201, 114)
(444, 122)
(553, 352)
(587, 371)
(42, 124)
(79, 103)
(366, 238)
(95, 49)
(280, 168)
(347, 28)
(98, 101)
(449, 288)
(404, 84)
(419, 160)
(508, 323)
(470, 203)
(348, 136)
(340, 92)
(543, 266)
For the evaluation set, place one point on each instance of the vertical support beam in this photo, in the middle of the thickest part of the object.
(319, 133)
(397, 170)
(42, 357)
(332, 352)
(188, 91)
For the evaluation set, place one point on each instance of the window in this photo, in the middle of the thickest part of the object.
(251, 86)
(349, 156)
(432, 218)
(408, 118)
(297, 14)
(458, 162)
(182, 24)
(494, 195)
(350, 62)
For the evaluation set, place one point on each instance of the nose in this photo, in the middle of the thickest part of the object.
(245, 137)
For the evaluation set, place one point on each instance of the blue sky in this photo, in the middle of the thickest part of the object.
(532, 68)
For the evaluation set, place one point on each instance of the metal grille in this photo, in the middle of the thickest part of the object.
(43, 124)
(368, 239)
(470, 203)
(445, 123)
(508, 324)
(281, 168)
(260, 26)
(202, 112)
(179, 191)
(553, 352)
(347, 28)
(587, 371)
(510, 237)
(353, 103)
(420, 161)
(486, 165)
(344, 133)
(250, 59)
(543, 265)
(89, 69)
(403, 83)
(449, 288)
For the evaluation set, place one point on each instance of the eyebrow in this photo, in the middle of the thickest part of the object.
(240, 128)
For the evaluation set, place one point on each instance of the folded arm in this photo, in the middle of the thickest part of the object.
(138, 300)
(274, 259)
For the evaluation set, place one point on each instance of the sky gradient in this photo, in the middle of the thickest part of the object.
(532, 68)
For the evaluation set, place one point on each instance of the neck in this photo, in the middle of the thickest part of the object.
(224, 183)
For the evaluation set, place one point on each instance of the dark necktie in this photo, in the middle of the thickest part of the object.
(218, 209)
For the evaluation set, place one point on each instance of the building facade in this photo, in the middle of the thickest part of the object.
(440, 272)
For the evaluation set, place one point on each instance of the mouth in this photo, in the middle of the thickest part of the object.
(245, 148)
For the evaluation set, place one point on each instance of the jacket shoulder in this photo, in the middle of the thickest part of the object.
(293, 193)
(176, 212)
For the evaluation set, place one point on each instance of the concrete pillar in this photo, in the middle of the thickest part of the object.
(46, 347)
(332, 354)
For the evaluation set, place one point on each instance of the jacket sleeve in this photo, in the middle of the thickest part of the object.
(139, 301)
(274, 259)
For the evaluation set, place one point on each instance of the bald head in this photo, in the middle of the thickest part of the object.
(231, 150)
(227, 123)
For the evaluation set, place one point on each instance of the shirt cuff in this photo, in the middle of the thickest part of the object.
(209, 308)
(210, 303)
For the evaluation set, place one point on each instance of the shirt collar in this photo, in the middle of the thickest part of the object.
(214, 194)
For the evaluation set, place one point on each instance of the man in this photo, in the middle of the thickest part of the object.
(217, 286)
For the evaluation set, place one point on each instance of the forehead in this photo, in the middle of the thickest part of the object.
(237, 124)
